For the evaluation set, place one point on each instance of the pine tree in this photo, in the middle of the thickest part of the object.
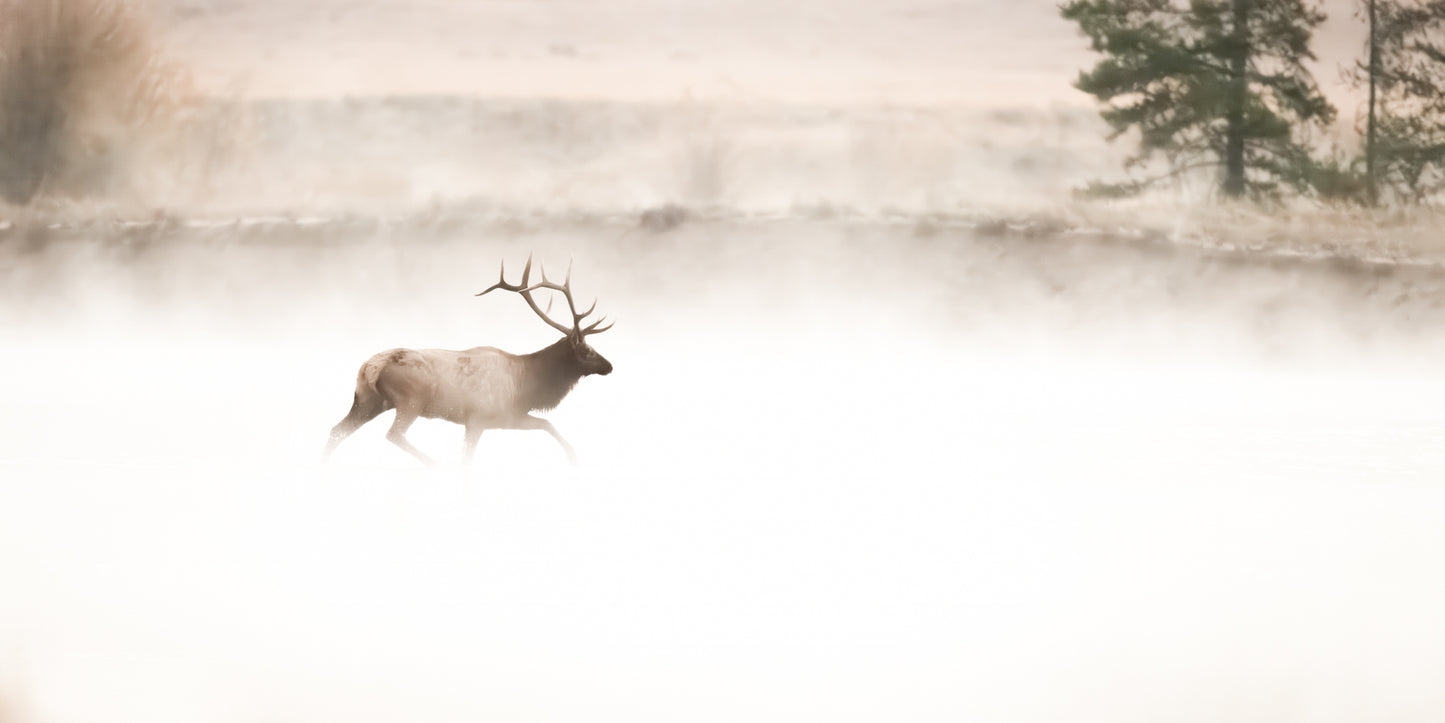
(1405, 72)
(1208, 83)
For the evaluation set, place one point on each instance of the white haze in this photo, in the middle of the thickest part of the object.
(869, 453)
(841, 472)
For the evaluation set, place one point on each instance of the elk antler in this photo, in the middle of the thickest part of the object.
(565, 288)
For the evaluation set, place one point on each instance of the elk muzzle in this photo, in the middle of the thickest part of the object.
(601, 366)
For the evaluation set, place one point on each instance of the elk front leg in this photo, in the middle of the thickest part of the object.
(474, 433)
(531, 422)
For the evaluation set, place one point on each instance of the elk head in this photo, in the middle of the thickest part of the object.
(583, 356)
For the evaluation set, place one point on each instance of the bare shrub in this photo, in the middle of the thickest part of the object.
(80, 82)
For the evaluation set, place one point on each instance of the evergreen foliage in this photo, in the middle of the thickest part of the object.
(1208, 84)
(1409, 82)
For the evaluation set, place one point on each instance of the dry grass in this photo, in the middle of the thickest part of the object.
(1301, 227)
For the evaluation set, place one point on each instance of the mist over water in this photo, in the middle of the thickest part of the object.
(842, 470)
(897, 429)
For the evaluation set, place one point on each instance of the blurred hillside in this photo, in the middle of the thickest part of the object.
(808, 51)
(372, 155)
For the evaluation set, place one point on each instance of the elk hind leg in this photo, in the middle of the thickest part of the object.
(397, 433)
(363, 410)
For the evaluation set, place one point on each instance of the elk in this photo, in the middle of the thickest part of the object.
(480, 388)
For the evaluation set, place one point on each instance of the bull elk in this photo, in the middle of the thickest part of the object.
(480, 388)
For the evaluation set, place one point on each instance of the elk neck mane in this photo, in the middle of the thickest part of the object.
(548, 375)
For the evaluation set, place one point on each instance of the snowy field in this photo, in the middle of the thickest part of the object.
(843, 471)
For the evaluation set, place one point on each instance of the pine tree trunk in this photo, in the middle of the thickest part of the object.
(1371, 185)
(1234, 110)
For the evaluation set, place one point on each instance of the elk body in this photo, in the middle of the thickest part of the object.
(481, 388)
